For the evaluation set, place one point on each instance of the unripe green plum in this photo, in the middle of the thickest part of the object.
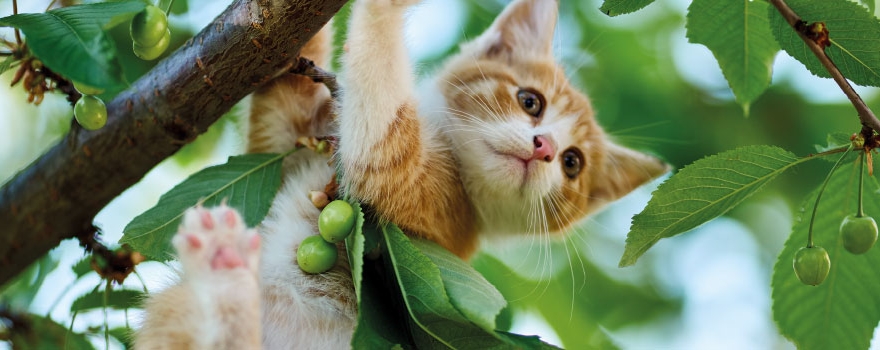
(315, 255)
(90, 112)
(336, 221)
(149, 53)
(148, 26)
(859, 233)
(811, 265)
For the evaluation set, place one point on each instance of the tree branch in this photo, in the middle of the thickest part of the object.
(59, 194)
(814, 39)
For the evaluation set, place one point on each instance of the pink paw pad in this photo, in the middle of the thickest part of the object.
(216, 239)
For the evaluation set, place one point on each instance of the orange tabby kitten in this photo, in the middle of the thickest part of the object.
(495, 143)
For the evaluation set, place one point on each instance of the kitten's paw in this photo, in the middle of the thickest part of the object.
(216, 239)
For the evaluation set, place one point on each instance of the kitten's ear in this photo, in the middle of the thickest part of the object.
(624, 170)
(524, 29)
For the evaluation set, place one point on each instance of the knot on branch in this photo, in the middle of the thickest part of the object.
(816, 31)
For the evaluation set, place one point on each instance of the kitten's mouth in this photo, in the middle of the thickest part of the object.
(519, 162)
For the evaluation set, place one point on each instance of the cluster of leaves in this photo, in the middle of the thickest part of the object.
(73, 42)
(31, 331)
(745, 37)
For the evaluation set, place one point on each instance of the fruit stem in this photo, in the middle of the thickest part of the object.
(860, 212)
(819, 196)
(167, 8)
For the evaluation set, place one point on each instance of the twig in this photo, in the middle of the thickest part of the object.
(307, 67)
(869, 121)
(15, 12)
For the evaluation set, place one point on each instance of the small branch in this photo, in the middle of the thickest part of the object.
(15, 12)
(815, 41)
(307, 67)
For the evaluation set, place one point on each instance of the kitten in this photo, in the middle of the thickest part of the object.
(497, 143)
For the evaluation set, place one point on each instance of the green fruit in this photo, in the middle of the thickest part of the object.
(336, 221)
(90, 112)
(316, 255)
(811, 265)
(859, 233)
(149, 53)
(148, 26)
(87, 90)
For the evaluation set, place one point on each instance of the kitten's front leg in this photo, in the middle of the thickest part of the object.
(378, 107)
(390, 160)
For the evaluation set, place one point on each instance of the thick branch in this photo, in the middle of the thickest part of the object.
(866, 116)
(58, 195)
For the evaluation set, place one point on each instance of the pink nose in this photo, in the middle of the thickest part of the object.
(543, 149)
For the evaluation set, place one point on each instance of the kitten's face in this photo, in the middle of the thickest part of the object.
(532, 156)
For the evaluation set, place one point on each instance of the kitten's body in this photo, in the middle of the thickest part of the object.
(472, 157)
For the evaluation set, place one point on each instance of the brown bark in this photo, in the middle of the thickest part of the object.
(58, 195)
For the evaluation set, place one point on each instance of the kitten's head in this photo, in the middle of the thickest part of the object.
(531, 154)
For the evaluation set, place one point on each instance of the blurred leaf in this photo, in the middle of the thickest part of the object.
(208, 141)
(20, 292)
(574, 311)
(738, 34)
(119, 299)
(835, 140)
(525, 341)
(6, 64)
(39, 332)
(853, 32)
(619, 7)
(124, 335)
(702, 191)
(842, 312)
(247, 183)
(871, 4)
(72, 42)
(83, 266)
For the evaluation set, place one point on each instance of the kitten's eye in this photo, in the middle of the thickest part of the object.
(572, 162)
(531, 102)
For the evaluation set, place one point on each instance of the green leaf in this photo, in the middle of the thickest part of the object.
(422, 288)
(354, 245)
(19, 293)
(870, 4)
(436, 323)
(379, 315)
(72, 42)
(853, 32)
(6, 64)
(738, 34)
(702, 191)
(468, 290)
(619, 7)
(39, 332)
(247, 183)
(83, 266)
(842, 312)
(119, 299)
